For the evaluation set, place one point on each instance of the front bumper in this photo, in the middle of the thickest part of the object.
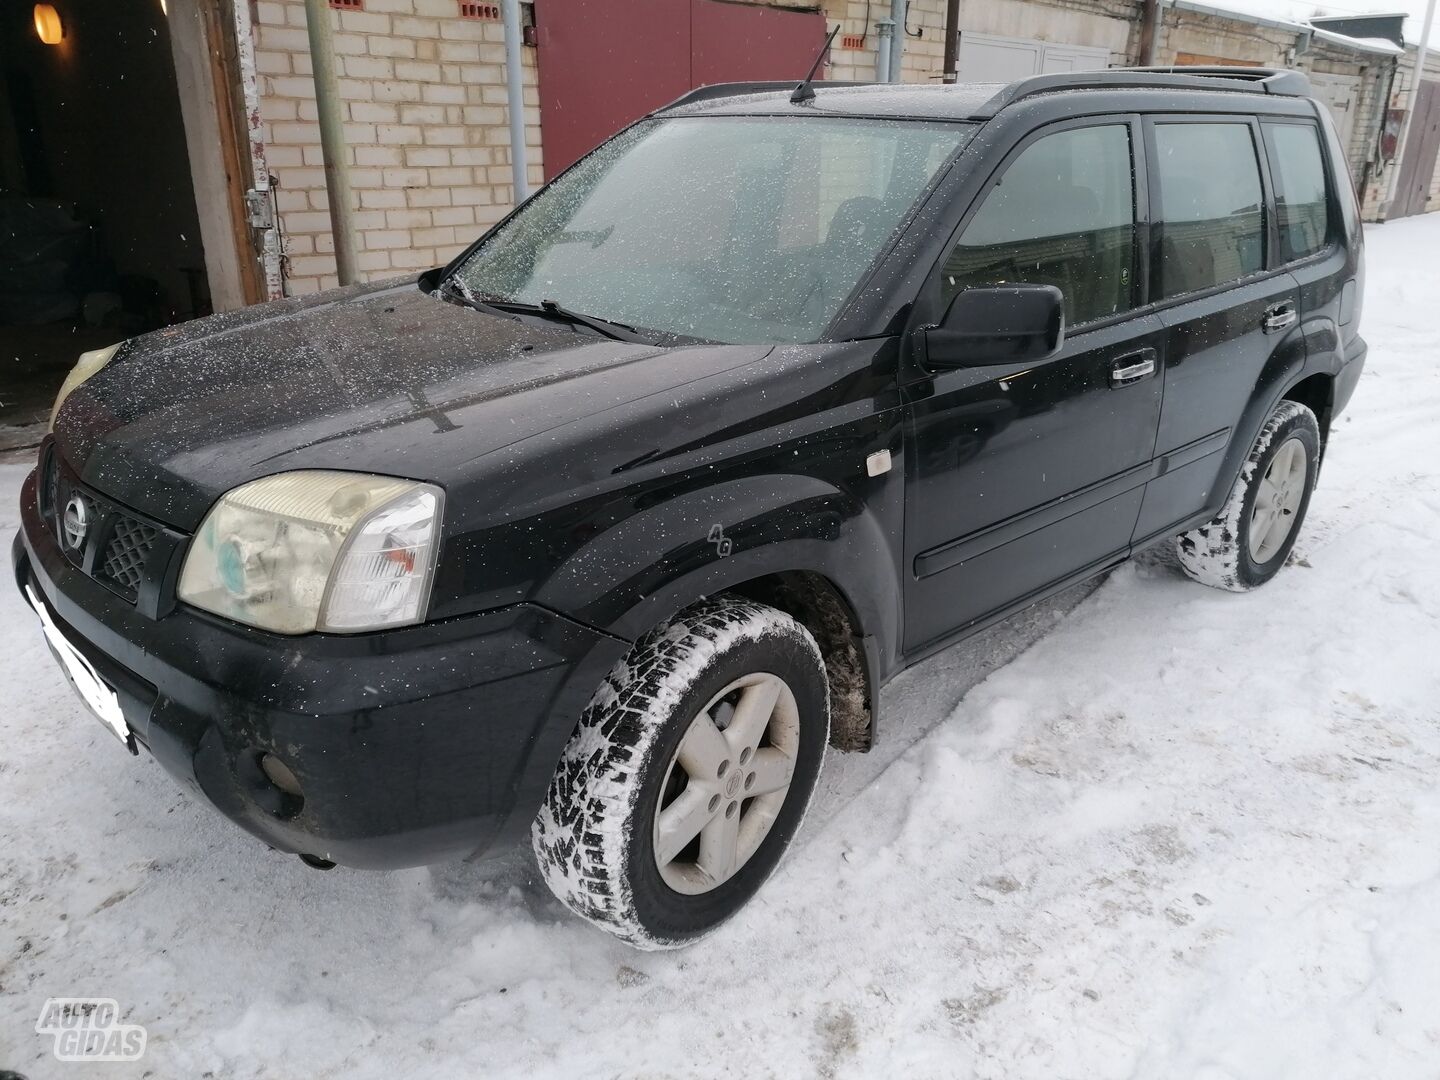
(411, 746)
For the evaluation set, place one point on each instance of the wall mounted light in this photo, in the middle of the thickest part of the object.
(47, 24)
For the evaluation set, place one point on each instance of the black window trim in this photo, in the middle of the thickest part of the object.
(1328, 168)
(1269, 233)
(1139, 283)
(1143, 152)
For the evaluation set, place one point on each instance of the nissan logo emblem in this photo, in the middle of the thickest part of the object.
(76, 522)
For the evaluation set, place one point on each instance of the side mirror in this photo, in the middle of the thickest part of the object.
(998, 324)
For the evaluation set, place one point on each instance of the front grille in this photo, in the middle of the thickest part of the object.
(131, 542)
(129, 555)
(50, 486)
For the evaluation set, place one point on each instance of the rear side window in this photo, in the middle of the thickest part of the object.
(1300, 203)
(1211, 211)
(1063, 214)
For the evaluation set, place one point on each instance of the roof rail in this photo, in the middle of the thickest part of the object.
(734, 89)
(1198, 77)
(1285, 81)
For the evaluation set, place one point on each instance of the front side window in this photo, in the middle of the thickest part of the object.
(744, 229)
(1063, 214)
(1212, 220)
(1299, 174)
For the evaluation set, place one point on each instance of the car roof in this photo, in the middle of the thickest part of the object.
(975, 101)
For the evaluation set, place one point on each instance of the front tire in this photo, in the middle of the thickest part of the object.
(688, 775)
(1247, 543)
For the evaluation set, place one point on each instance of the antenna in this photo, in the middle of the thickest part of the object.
(804, 91)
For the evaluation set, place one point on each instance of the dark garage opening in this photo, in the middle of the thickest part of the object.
(99, 238)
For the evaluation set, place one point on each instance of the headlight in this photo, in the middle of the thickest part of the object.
(317, 550)
(88, 364)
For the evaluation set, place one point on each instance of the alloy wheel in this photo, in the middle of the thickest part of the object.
(1277, 501)
(726, 783)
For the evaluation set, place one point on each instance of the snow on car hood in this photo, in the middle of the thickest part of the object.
(389, 380)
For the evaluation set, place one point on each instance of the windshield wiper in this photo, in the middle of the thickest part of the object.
(546, 309)
(550, 309)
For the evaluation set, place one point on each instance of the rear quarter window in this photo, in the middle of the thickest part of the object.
(1301, 206)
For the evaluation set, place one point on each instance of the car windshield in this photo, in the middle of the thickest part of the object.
(743, 229)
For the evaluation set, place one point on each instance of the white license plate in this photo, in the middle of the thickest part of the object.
(100, 699)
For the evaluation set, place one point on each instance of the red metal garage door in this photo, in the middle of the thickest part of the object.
(604, 64)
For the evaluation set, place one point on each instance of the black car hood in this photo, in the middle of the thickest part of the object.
(383, 379)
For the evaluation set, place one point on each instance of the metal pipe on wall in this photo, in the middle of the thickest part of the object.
(330, 112)
(884, 31)
(515, 95)
(952, 40)
(898, 11)
(1149, 31)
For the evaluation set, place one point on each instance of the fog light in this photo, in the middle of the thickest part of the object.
(279, 774)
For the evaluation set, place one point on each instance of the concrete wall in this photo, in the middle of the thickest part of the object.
(425, 101)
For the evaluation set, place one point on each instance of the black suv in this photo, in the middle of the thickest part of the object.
(606, 530)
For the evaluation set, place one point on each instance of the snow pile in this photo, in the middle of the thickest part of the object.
(1189, 834)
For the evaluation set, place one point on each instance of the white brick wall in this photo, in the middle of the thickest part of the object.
(858, 65)
(426, 129)
(426, 107)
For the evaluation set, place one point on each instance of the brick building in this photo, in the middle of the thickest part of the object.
(1354, 75)
(426, 114)
(425, 101)
(424, 90)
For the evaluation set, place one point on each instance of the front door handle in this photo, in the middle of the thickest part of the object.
(1132, 367)
(1280, 316)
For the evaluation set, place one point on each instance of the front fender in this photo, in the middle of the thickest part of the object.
(700, 542)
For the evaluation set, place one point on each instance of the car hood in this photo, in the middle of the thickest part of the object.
(383, 379)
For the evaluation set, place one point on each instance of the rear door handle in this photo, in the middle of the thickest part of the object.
(1280, 317)
(1132, 367)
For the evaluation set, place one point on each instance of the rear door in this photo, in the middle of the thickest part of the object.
(1022, 476)
(1225, 308)
(1313, 200)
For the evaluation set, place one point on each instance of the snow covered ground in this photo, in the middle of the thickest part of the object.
(1186, 834)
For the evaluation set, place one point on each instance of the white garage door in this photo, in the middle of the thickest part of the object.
(984, 58)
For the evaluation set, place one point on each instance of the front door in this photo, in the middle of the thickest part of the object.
(1022, 478)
